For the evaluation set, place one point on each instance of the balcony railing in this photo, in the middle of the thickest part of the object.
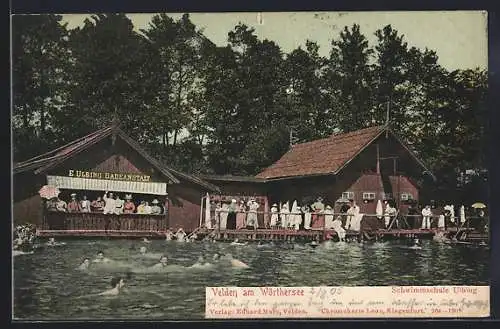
(100, 221)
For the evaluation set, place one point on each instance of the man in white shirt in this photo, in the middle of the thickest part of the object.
(109, 203)
(426, 217)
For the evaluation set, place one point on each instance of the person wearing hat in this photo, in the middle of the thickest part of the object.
(74, 205)
(155, 208)
(252, 220)
(241, 215)
(128, 206)
(274, 216)
(317, 218)
(141, 207)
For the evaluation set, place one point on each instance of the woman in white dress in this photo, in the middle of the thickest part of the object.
(297, 216)
(274, 216)
(284, 214)
(223, 216)
(307, 217)
(328, 217)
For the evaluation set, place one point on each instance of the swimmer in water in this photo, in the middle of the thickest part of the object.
(85, 264)
(235, 262)
(143, 250)
(145, 240)
(236, 242)
(51, 242)
(163, 262)
(201, 262)
(314, 244)
(100, 258)
(117, 284)
(216, 257)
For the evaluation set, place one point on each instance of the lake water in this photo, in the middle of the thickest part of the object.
(48, 285)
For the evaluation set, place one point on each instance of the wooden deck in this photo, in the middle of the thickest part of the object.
(268, 234)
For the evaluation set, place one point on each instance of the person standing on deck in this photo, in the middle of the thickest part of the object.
(147, 208)
(337, 226)
(252, 219)
(109, 203)
(274, 216)
(61, 205)
(284, 214)
(97, 205)
(426, 217)
(328, 213)
(128, 206)
(350, 216)
(231, 216)
(85, 204)
(218, 209)
(224, 212)
(241, 215)
(74, 205)
(141, 208)
(118, 205)
(155, 209)
(307, 217)
(318, 219)
(297, 216)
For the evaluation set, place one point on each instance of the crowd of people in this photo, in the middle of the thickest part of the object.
(318, 215)
(109, 203)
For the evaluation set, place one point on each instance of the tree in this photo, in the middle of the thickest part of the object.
(39, 80)
(108, 79)
(350, 80)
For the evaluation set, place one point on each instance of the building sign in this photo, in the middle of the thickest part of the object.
(108, 176)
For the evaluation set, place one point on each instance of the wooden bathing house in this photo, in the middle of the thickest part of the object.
(106, 160)
(364, 166)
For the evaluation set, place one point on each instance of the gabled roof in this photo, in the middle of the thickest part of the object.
(231, 178)
(325, 156)
(44, 162)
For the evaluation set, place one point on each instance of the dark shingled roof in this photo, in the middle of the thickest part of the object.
(324, 156)
(46, 161)
(231, 178)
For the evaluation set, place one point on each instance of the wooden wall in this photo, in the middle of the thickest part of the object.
(184, 206)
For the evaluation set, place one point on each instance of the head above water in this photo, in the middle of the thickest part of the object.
(163, 260)
(142, 250)
(117, 282)
(100, 255)
(216, 256)
(86, 261)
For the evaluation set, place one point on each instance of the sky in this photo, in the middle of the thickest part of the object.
(460, 38)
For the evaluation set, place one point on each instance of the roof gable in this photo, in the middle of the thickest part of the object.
(322, 156)
(42, 163)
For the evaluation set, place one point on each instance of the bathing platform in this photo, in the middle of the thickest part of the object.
(271, 234)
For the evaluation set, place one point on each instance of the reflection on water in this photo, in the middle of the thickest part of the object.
(48, 284)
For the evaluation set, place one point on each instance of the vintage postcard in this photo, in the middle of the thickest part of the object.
(187, 166)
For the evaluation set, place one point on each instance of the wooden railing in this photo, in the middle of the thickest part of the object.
(99, 221)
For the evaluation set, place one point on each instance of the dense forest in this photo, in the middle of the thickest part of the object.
(234, 109)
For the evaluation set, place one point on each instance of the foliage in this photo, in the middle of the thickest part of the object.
(231, 109)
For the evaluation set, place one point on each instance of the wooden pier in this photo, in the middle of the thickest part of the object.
(319, 235)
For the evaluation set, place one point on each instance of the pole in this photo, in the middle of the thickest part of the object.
(378, 160)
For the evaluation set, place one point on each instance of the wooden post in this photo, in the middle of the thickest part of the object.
(378, 160)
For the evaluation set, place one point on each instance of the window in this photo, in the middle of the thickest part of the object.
(348, 195)
(368, 196)
(386, 196)
(406, 196)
